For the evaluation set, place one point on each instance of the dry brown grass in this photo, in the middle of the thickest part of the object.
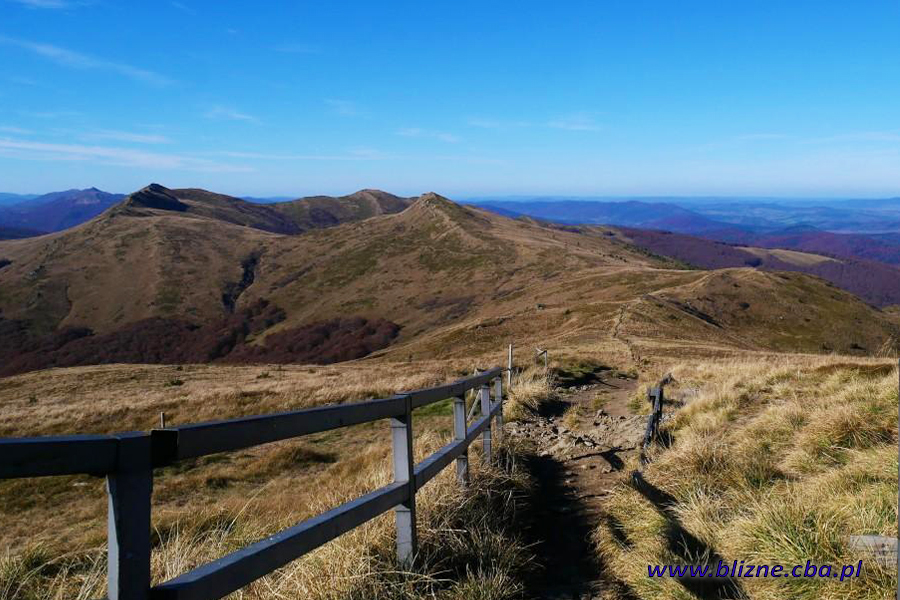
(530, 388)
(774, 461)
(207, 507)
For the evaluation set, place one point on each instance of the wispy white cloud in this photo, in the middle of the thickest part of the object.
(355, 153)
(755, 137)
(417, 132)
(575, 122)
(859, 136)
(345, 108)
(49, 114)
(123, 157)
(76, 60)
(358, 153)
(229, 114)
(127, 136)
(44, 3)
(495, 123)
(14, 130)
(294, 157)
(183, 8)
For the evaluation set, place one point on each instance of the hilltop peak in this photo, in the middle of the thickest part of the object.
(155, 196)
(435, 200)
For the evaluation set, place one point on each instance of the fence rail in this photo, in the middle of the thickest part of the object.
(128, 459)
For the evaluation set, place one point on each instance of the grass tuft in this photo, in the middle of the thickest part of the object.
(774, 461)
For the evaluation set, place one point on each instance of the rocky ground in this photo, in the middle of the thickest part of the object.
(584, 438)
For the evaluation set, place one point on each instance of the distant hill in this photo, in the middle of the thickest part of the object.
(58, 210)
(633, 213)
(15, 233)
(6, 198)
(791, 225)
(700, 215)
(316, 212)
(193, 276)
(874, 282)
(884, 249)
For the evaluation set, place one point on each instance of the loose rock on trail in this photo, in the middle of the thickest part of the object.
(583, 440)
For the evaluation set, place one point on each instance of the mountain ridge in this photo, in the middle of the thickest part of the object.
(440, 277)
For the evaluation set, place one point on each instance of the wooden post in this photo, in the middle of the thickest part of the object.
(509, 364)
(404, 464)
(128, 523)
(459, 433)
(486, 410)
(498, 397)
(546, 361)
(162, 420)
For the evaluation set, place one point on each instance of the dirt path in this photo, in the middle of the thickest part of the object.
(583, 440)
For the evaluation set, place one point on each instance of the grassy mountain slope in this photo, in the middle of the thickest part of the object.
(449, 279)
(875, 282)
(317, 212)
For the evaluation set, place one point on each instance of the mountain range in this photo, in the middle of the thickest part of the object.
(192, 276)
(838, 228)
(54, 212)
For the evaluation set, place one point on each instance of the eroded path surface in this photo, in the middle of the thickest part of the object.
(583, 439)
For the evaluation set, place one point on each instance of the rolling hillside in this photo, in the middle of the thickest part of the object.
(232, 281)
(877, 283)
(808, 239)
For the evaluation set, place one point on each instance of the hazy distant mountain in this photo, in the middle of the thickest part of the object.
(6, 198)
(58, 210)
(632, 213)
(860, 229)
(699, 215)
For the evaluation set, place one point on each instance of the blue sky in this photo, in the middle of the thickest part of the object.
(464, 98)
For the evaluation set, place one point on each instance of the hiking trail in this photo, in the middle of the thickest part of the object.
(583, 438)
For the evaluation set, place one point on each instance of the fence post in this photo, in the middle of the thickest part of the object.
(404, 464)
(486, 410)
(509, 364)
(129, 489)
(498, 397)
(459, 433)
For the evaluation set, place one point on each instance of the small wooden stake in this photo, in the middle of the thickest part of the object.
(509, 369)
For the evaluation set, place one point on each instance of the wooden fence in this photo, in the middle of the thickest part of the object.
(127, 461)
(656, 397)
